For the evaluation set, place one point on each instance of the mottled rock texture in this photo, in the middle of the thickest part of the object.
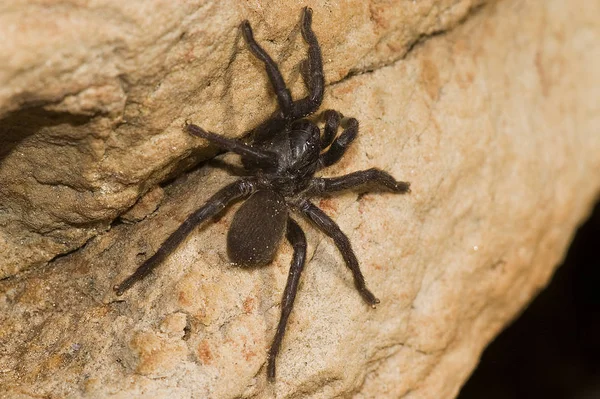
(489, 108)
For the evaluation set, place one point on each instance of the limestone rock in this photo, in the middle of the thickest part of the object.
(489, 109)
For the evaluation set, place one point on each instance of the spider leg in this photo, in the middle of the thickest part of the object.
(340, 144)
(312, 71)
(214, 205)
(329, 227)
(253, 153)
(377, 179)
(332, 123)
(296, 237)
(284, 97)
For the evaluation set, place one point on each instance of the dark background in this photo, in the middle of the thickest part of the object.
(553, 350)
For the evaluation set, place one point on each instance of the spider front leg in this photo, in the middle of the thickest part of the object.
(284, 97)
(329, 227)
(296, 237)
(312, 71)
(276, 123)
(214, 205)
(369, 180)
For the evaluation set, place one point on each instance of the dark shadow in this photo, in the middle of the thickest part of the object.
(234, 170)
(19, 125)
(553, 350)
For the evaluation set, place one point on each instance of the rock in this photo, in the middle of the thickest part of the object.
(488, 109)
(145, 206)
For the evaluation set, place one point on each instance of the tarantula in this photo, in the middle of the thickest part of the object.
(283, 155)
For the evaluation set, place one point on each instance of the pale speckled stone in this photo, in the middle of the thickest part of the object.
(494, 121)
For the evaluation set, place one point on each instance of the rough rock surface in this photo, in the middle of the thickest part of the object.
(489, 108)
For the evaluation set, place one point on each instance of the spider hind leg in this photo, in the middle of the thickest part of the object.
(213, 206)
(296, 237)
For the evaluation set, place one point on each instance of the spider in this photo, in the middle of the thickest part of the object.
(282, 156)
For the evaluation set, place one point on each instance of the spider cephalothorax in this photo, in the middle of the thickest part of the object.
(282, 156)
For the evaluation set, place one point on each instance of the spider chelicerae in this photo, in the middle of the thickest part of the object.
(282, 155)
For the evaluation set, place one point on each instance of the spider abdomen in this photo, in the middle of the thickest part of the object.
(257, 229)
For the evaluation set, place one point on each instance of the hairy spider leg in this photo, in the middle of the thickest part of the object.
(330, 228)
(312, 74)
(312, 71)
(215, 204)
(340, 144)
(253, 153)
(332, 122)
(297, 239)
(277, 122)
(284, 97)
(371, 180)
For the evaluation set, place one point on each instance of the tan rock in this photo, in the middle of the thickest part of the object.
(493, 120)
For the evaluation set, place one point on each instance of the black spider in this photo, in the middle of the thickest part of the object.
(283, 156)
